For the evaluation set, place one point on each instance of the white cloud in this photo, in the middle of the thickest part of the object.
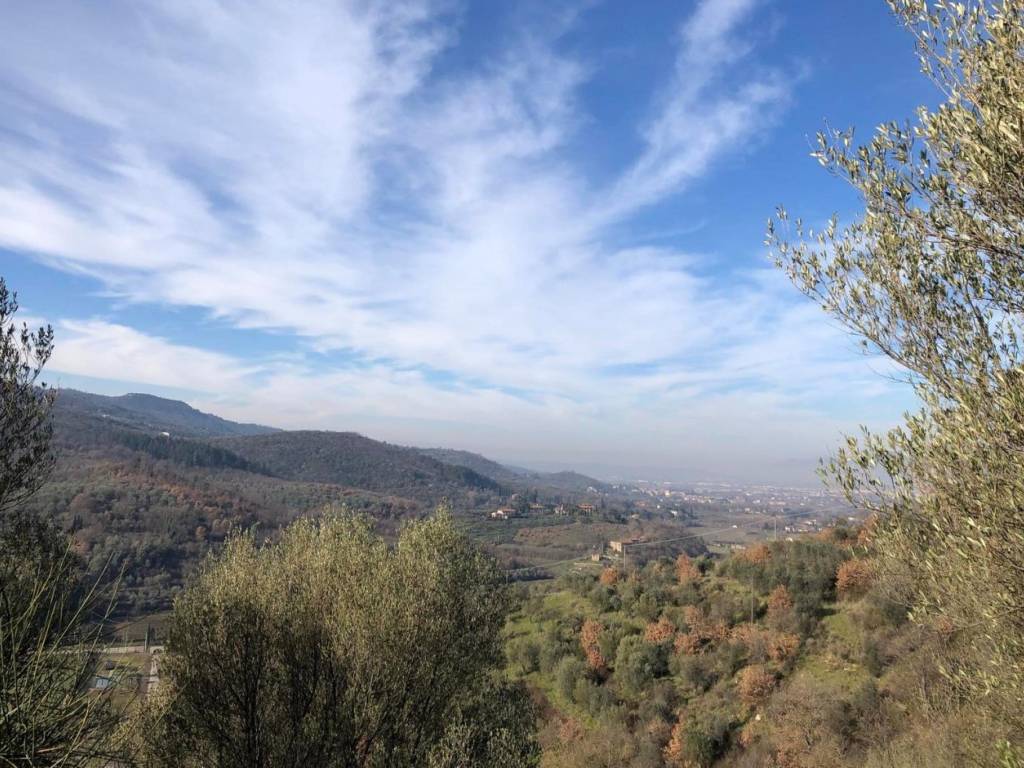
(312, 169)
(702, 115)
(104, 350)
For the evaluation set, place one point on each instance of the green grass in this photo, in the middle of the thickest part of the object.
(840, 627)
(832, 671)
(135, 628)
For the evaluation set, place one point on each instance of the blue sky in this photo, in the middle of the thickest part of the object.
(528, 229)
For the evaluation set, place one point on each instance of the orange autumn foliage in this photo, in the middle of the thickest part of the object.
(675, 751)
(867, 531)
(748, 634)
(689, 644)
(782, 645)
(686, 570)
(755, 684)
(660, 631)
(702, 632)
(759, 554)
(854, 578)
(766, 643)
(610, 576)
(590, 640)
(779, 600)
(694, 618)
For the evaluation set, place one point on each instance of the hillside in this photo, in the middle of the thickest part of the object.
(788, 654)
(349, 459)
(572, 482)
(151, 414)
(474, 461)
(152, 484)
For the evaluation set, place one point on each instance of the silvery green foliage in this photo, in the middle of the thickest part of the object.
(49, 630)
(25, 430)
(932, 276)
(332, 648)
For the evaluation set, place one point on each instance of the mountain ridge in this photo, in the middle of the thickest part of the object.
(175, 419)
(144, 411)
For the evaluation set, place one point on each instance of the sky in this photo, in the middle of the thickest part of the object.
(533, 230)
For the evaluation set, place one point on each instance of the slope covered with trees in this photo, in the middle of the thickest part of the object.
(347, 458)
(152, 414)
(788, 654)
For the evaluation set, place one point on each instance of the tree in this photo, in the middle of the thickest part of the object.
(494, 730)
(25, 426)
(610, 576)
(638, 663)
(854, 578)
(932, 276)
(687, 571)
(49, 640)
(48, 631)
(590, 641)
(779, 600)
(755, 683)
(660, 631)
(332, 648)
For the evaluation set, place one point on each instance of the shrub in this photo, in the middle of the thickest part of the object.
(755, 683)
(687, 571)
(330, 646)
(660, 631)
(569, 671)
(638, 663)
(590, 641)
(854, 578)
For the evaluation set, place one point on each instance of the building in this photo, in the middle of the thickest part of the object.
(587, 508)
(503, 514)
(616, 546)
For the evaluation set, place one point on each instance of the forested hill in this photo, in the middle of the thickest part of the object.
(149, 413)
(151, 484)
(347, 458)
(515, 476)
(474, 461)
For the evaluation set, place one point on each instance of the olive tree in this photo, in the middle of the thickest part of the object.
(25, 426)
(49, 628)
(932, 276)
(332, 648)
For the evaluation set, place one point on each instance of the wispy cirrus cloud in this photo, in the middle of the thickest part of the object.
(317, 170)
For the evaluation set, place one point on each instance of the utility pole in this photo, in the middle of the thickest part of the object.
(623, 558)
(776, 526)
(751, 598)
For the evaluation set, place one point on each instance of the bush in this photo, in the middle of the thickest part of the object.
(330, 647)
(638, 663)
(755, 683)
(570, 670)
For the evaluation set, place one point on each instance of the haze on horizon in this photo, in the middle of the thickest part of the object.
(530, 233)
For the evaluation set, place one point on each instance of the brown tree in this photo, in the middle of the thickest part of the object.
(759, 554)
(687, 571)
(755, 683)
(779, 600)
(590, 640)
(610, 576)
(660, 631)
(854, 578)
